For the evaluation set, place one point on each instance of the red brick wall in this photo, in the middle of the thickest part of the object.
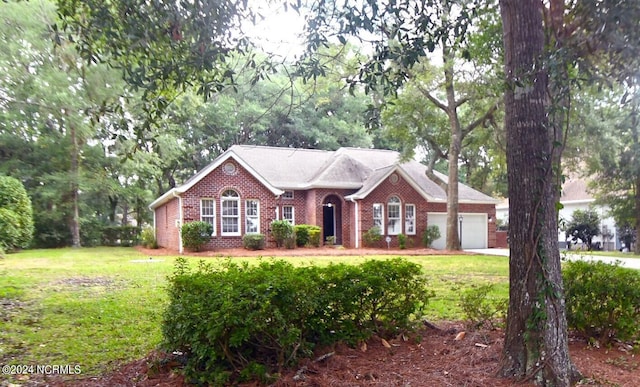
(167, 228)
(407, 195)
(213, 186)
(308, 209)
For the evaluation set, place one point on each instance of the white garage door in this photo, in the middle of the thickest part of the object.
(474, 230)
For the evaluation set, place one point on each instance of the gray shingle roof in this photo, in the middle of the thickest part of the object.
(357, 168)
(349, 168)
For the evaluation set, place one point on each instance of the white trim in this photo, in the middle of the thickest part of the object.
(414, 218)
(238, 216)
(214, 216)
(382, 227)
(357, 220)
(398, 169)
(206, 170)
(293, 213)
(181, 220)
(399, 219)
(247, 217)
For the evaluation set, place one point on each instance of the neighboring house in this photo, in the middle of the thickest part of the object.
(345, 192)
(576, 196)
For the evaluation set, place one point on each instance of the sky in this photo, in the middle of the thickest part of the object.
(279, 32)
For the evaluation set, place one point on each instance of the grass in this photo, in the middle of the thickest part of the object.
(102, 307)
(615, 253)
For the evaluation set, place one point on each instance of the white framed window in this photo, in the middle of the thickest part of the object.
(289, 214)
(410, 219)
(287, 195)
(208, 212)
(252, 216)
(230, 213)
(378, 216)
(394, 216)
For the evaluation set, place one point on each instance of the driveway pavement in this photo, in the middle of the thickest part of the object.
(633, 263)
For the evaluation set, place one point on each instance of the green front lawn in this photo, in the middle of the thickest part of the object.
(101, 307)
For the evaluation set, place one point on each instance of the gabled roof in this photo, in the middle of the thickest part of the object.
(280, 169)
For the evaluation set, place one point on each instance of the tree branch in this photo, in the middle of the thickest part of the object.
(486, 116)
(433, 99)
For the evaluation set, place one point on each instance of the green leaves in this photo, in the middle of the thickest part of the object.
(16, 222)
(584, 226)
(603, 300)
(196, 234)
(237, 322)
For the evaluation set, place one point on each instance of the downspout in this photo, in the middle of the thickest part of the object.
(357, 220)
(180, 220)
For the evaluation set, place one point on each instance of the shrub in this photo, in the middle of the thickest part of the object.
(377, 297)
(253, 241)
(91, 231)
(372, 236)
(480, 309)
(303, 234)
(120, 235)
(314, 236)
(196, 234)
(236, 322)
(602, 300)
(281, 231)
(429, 235)
(16, 215)
(148, 238)
(402, 241)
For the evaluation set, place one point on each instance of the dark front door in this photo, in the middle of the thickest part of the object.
(329, 221)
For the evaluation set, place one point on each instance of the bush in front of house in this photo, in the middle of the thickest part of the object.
(282, 231)
(196, 234)
(236, 322)
(402, 241)
(305, 233)
(253, 241)
(602, 300)
(372, 237)
(314, 236)
(430, 235)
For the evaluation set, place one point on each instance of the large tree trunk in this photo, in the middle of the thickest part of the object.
(453, 241)
(74, 222)
(536, 343)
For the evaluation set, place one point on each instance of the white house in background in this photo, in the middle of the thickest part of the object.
(575, 196)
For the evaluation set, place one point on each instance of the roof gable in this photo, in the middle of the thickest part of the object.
(229, 154)
(280, 169)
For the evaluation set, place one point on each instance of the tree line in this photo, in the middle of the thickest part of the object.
(565, 82)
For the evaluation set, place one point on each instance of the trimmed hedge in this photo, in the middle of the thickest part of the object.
(120, 236)
(602, 300)
(307, 235)
(283, 233)
(196, 234)
(238, 322)
(253, 241)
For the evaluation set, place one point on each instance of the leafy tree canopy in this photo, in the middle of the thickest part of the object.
(583, 227)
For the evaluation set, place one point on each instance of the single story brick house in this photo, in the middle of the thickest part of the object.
(345, 192)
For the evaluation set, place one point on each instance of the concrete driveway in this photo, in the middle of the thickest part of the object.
(632, 263)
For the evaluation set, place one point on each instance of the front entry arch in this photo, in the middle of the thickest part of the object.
(332, 218)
